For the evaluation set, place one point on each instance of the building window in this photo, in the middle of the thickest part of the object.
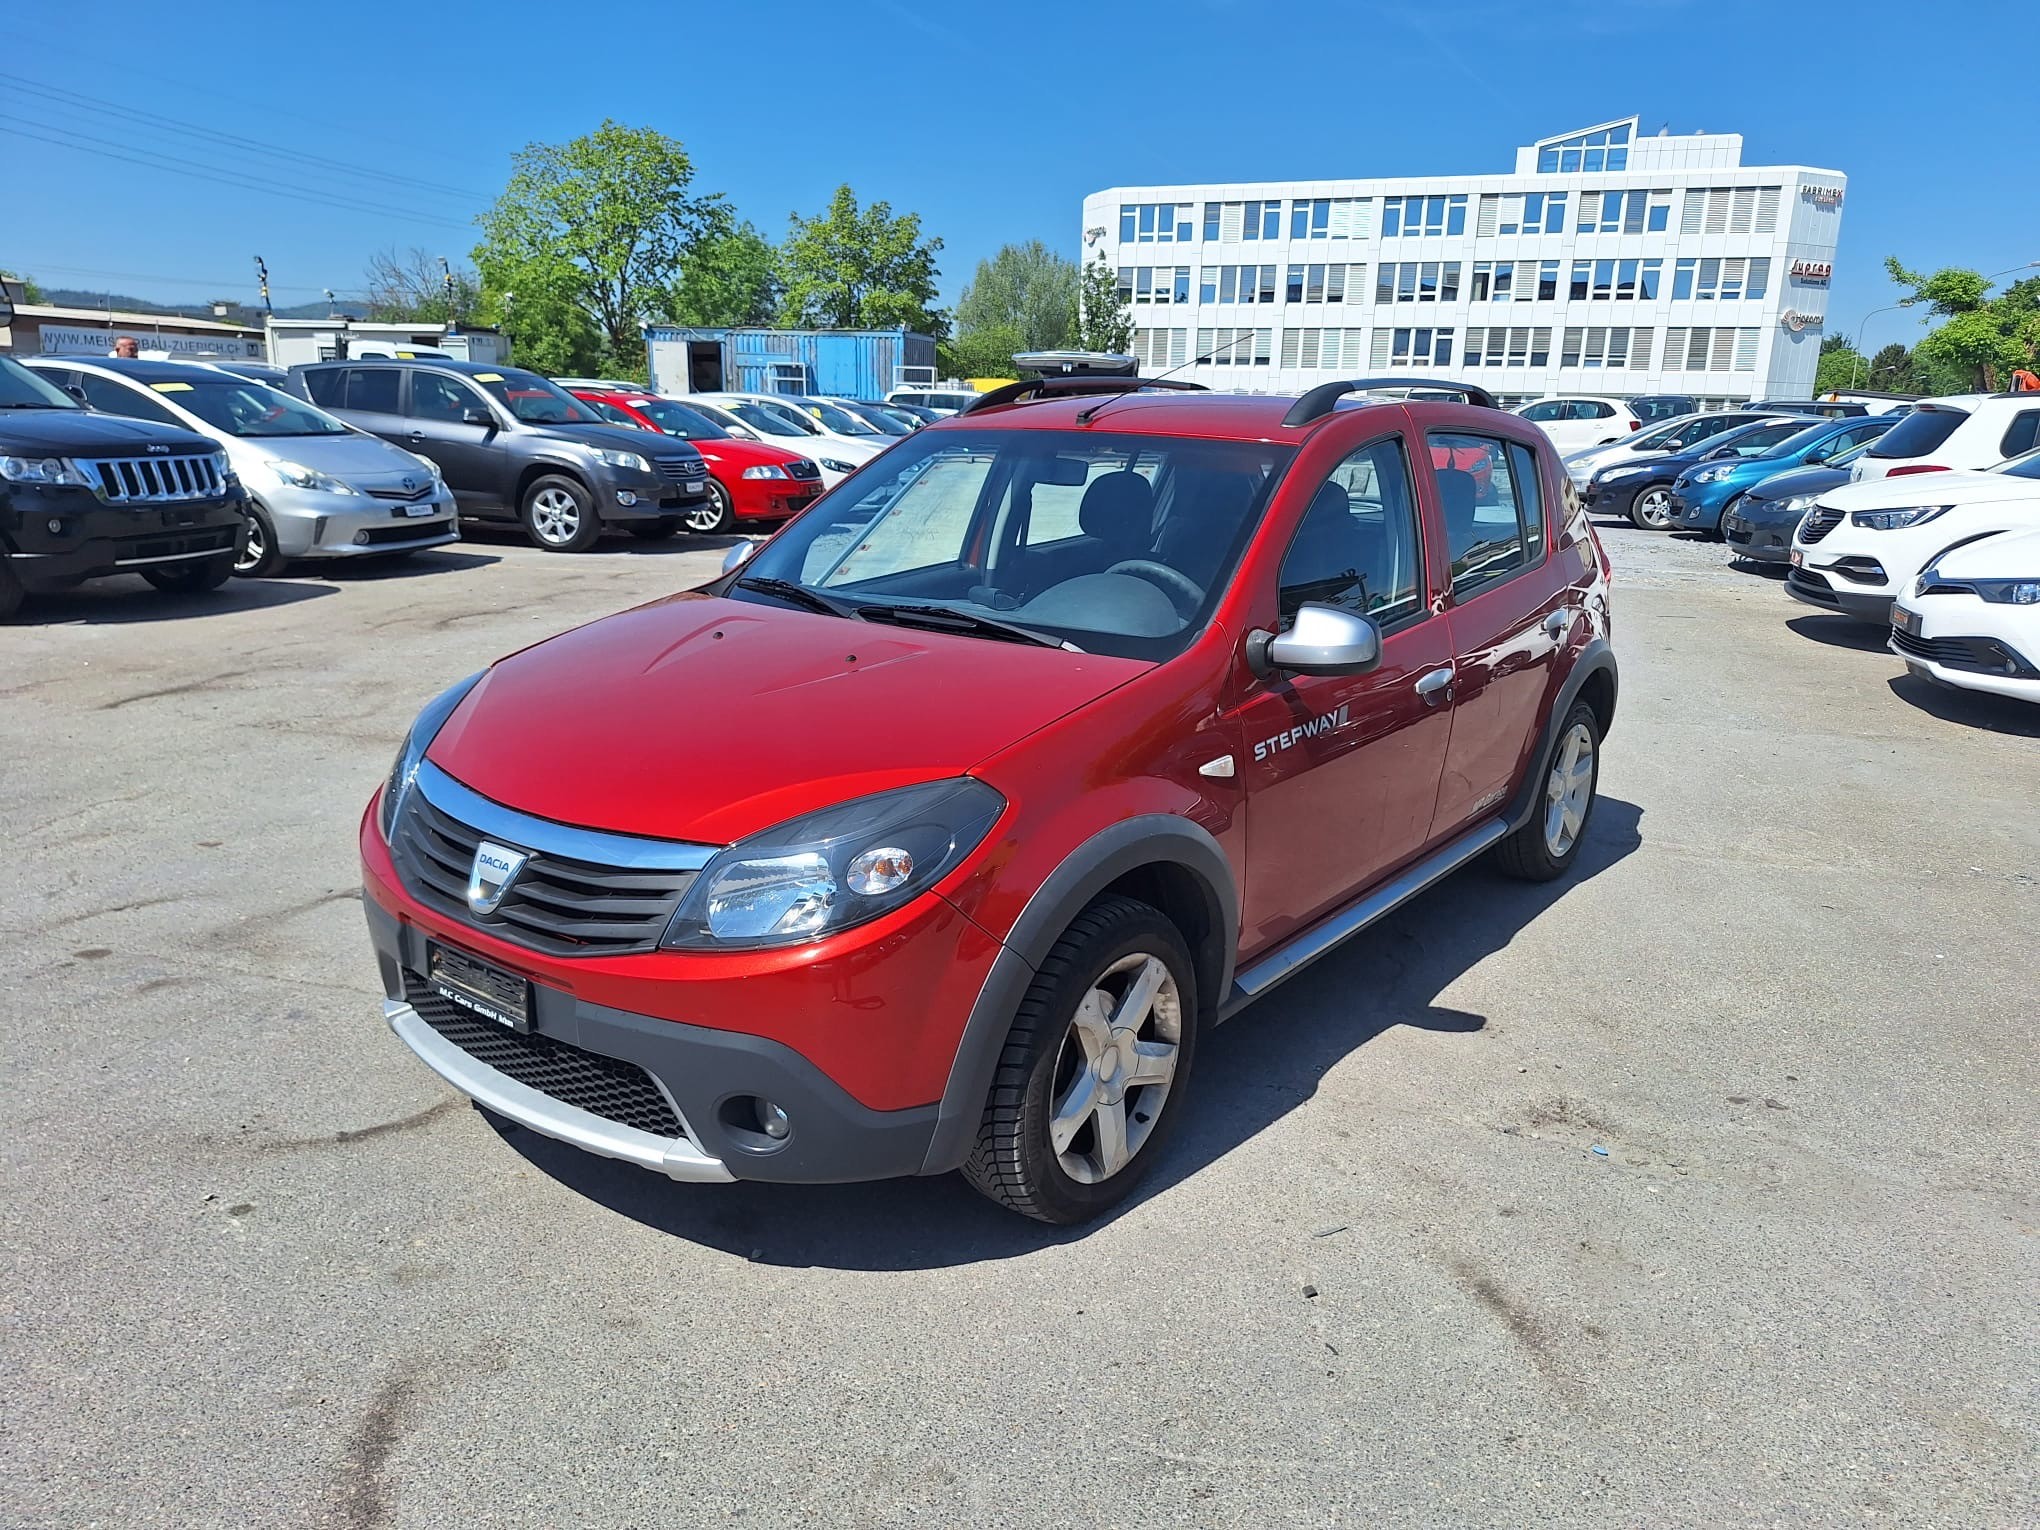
(1237, 284)
(1508, 346)
(1154, 284)
(1417, 281)
(1625, 212)
(1157, 349)
(1422, 215)
(1610, 346)
(1344, 348)
(1235, 347)
(1607, 149)
(1310, 218)
(1412, 347)
(1620, 280)
(1492, 279)
(1705, 279)
(1154, 222)
(1533, 212)
(1547, 283)
(1323, 283)
(1729, 210)
(1716, 349)
(1261, 220)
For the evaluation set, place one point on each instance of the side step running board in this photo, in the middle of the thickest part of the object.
(1285, 961)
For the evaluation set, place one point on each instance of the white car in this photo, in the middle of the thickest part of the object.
(781, 420)
(1576, 422)
(1966, 430)
(944, 401)
(1665, 436)
(1862, 545)
(1972, 618)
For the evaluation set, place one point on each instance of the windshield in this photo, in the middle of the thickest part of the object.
(1657, 435)
(1804, 440)
(883, 421)
(773, 419)
(249, 409)
(533, 399)
(680, 420)
(22, 389)
(1116, 544)
(1756, 440)
(2027, 466)
(1918, 433)
(841, 421)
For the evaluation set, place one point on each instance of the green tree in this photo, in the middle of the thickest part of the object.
(600, 227)
(1025, 290)
(1104, 321)
(732, 278)
(986, 352)
(31, 290)
(1891, 369)
(1981, 339)
(411, 288)
(1841, 366)
(860, 268)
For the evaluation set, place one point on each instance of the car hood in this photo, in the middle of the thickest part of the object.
(697, 718)
(621, 438)
(362, 460)
(2013, 555)
(739, 453)
(66, 431)
(1937, 488)
(1800, 480)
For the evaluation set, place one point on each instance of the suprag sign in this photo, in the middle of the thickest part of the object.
(1812, 270)
(1826, 196)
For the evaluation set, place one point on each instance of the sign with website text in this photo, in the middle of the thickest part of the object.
(66, 340)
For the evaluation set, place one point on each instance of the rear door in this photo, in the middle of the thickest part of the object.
(369, 398)
(471, 457)
(1341, 771)
(1508, 610)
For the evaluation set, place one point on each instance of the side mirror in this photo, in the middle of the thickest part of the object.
(1323, 640)
(477, 417)
(78, 393)
(738, 555)
(743, 432)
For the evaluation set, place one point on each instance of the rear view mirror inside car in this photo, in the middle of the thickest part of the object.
(1070, 472)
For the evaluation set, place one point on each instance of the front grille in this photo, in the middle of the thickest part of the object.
(802, 468)
(607, 1087)
(680, 469)
(408, 496)
(1819, 522)
(1982, 656)
(559, 906)
(402, 531)
(153, 480)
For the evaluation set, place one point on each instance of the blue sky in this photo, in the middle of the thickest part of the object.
(991, 121)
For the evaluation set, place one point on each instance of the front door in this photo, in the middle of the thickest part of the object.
(1342, 770)
(1508, 615)
(469, 457)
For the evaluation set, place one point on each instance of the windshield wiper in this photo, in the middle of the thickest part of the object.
(799, 595)
(948, 619)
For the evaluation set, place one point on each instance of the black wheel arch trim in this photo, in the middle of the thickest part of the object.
(1128, 846)
(1597, 658)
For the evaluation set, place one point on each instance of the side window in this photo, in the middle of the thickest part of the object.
(2018, 437)
(1598, 411)
(1486, 537)
(1550, 409)
(119, 398)
(372, 388)
(434, 397)
(1357, 546)
(327, 388)
(1529, 497)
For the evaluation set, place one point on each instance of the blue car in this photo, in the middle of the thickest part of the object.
(1702, 494)
(1641, 487)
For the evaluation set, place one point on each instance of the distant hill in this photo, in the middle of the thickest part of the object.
(237, 313)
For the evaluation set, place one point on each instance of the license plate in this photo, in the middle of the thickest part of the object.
(693, 488)
(479, 987)
(1904, 620)
(1798, 558)
(419, 512)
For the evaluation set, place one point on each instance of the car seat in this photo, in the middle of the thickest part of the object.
(1118, 513)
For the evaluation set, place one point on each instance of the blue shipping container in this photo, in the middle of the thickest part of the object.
(849, 363)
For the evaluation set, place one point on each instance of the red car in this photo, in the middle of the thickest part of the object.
(936, 834)
(747, 480)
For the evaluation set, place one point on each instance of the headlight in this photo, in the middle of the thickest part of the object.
(630, 460)
(1714, 474)
(1799, 504)
(2007, 592)
(51, 470)
(405, 768)
(835, 466)
(830, 870)
(1892, 520)
(223, 467)
(765, 470)
(295, 476)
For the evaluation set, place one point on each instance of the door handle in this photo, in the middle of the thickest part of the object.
(1556, 623)
(1435, 685)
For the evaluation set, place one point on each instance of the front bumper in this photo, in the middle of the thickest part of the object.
(1760, 535)
(1699, 508)
(627, 494)
(1615, 499)
(312, 524)
(1970, 644)
(770, 499)
(54, 537)
(1817, 588)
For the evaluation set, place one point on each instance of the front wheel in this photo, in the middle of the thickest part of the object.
(1546, 846)
(1093, 1069)
(259, 556)
(714, 514)
(559, 515)
(193, 578)
(1652, 508)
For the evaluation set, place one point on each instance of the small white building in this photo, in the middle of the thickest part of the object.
(48, 329)
(1607, 262)
(298, 342)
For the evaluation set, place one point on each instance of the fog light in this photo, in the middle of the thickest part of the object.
(56, 527)
(773, 1121)
(626, 497)
(361, 539)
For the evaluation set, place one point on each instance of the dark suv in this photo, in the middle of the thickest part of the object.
(514, 446)
(84, 495)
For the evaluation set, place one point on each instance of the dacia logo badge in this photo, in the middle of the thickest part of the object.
(496, 867)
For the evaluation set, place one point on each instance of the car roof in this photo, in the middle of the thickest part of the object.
(140, 371)
(437, 363)
(1218, 416)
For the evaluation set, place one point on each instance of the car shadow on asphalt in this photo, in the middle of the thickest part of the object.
(1841, 632)
(124, 602)
(503, 534)
(374, 570)
(1252, 1072)
(1969, 709)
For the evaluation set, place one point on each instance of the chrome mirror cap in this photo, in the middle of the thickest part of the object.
(738, 555)
(1323, 640)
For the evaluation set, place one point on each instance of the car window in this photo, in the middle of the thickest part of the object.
(327, 388)
(2018, 436)
(1529, 496)
(1357, 546)
(1550, 409)
(1485, 521)
(1757, 442)
(373, 389)
(123, 398)
(249, 409)
(1918, 433)
(2025, 467)
(438, 397)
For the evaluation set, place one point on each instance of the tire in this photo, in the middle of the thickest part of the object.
(258, 556)
(663, 529)
(1718, 533)
(715, 516)
(1546, 846)
(1055, 1046)
(559, 515)
(1652, 507)
(193, 578)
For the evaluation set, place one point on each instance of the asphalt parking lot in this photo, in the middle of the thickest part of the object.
(1695, 1190)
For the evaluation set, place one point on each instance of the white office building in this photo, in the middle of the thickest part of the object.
(1608, 262)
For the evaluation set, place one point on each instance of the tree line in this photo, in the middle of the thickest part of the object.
(1979, 343)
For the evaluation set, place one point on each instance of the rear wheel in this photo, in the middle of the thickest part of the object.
(193, 578)
(1546, 846)
(1652, 508)
(559, 514)
(1092, 1071)
(258, 557)
(663, 529)
(714, 514)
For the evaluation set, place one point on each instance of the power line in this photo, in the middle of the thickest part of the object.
(234, 140)
(39, 268)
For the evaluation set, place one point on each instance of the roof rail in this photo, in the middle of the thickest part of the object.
(1064, 387)
(1324, 398)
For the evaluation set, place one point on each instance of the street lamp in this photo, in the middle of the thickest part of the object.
(2024, 265)
(1873, 313)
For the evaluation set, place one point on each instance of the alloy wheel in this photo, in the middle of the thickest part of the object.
(555, 517)
(1654, 508)
(712, 514)
(1115, 1067)
(254, 548)
(1569, 790)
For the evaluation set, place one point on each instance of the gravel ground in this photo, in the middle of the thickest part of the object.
(1695, 1190)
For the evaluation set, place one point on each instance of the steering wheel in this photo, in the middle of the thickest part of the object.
(1173, 580)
